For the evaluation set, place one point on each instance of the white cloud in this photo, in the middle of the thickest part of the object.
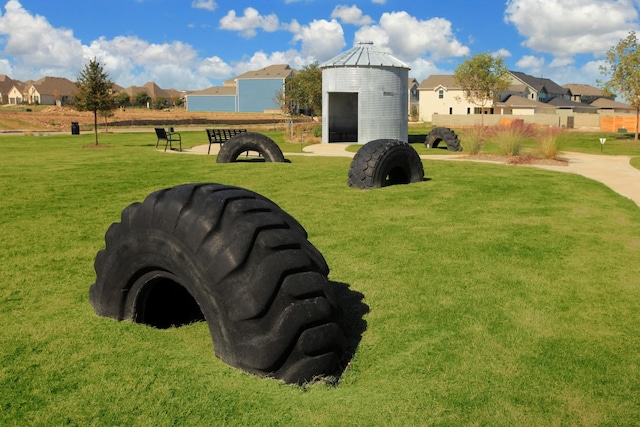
(204, 4)
(379, 1)
(533, 65)
(36, 46)
(502, 53)
(410, 38)
(320, 40)
(249, 22)
(568, 27)
(350, 15)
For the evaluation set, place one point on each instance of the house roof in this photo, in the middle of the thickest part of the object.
(514, 101)
(216, 91)
(51, 85)
(435, 81)
(6, 83)
(609, 104)
(364, 55)
(566, 103)
(278, 71)
(584, 90)
(540, 84)
(153, 90)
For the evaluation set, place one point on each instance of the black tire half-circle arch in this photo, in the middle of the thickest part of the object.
(231, 257)
(385, 162)
(250, 141)
(446, 135)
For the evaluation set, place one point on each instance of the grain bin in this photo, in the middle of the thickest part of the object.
(364, 96)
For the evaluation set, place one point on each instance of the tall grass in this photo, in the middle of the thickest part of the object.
(511, 139)
(473, 139)
(547, 141)
(525, 315)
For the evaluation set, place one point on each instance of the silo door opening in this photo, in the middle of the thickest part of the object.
(343, 117)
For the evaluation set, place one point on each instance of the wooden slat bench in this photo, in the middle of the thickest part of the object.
(221, 135)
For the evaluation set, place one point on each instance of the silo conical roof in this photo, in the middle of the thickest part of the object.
(364, 55)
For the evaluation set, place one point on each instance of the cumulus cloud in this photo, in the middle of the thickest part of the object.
(350, 15)
(320, 40)
(568, 27)
(35, 44)
(204, 4)
(409, 38)
(248, 24)
(533, 64)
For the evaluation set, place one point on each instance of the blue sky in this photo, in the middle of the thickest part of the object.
(195, 44)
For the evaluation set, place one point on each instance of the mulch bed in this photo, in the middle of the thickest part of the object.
(519, 160)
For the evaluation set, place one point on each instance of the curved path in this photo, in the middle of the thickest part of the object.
(613, 171)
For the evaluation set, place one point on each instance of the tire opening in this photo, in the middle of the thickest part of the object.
(163, 303)
(397, 176)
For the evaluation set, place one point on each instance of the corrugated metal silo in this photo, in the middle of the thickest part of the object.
(364, 96)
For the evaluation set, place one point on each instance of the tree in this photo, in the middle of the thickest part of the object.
(623, 69)
(142, 98)
(94, 91)
(303, 91)
(483, 77)
(122, 99)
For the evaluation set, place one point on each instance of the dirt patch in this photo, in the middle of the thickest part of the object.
(60, 118)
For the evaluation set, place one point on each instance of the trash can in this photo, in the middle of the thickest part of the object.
(75, 128)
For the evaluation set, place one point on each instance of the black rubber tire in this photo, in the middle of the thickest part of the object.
(385, 162)
(250, 141)
(233, 258)
(438, 135)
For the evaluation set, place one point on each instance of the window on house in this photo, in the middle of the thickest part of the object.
(468, 110)
(440, 94)
(450, 110)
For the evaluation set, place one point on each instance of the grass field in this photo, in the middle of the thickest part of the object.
(496, 295)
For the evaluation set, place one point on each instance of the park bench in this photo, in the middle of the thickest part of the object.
(168, 136)
(219, 136)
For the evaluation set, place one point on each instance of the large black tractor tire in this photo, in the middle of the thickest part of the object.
(233, 258)
(385, 162)
(250, 141)
(438, 135)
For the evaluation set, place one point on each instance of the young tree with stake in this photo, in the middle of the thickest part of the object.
(94, 92)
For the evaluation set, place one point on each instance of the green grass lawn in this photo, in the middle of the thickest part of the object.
(497, 295)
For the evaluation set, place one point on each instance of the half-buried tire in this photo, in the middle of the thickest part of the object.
(385, 162)
(446, 135)
(250, 141)
(233, 258)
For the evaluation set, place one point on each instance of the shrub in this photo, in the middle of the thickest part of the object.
(511, 139)
(473, 139)
(547, 141)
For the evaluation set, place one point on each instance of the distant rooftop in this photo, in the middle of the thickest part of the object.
(364, 55)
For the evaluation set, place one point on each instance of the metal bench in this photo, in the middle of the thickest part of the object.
(219, 136)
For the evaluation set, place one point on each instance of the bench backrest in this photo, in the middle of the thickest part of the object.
(161, 133)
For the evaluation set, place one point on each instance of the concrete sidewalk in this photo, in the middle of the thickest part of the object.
(613, 171)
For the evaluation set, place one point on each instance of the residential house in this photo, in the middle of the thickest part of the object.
(440, 94)
(536, 88)
(6, 84)
(520, 106)
(609, 107)
(153, 90)
(586, 94)
(253, 91)
(49, 91)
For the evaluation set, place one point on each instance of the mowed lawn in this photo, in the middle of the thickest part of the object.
(496, 295)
